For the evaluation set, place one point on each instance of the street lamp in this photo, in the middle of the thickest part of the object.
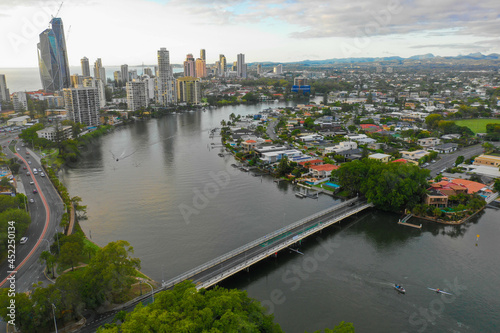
(152, 295)
(54, 313)
(48, 244)
(57, 236)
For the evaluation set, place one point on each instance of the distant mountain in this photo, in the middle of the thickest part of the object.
(422, 57)
(426, 57)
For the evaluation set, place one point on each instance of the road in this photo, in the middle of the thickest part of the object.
(270, 129)
(46, 213)
(448, 160)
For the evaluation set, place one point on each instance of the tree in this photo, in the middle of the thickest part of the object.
(71, 253)
(432, 120)
(460, 159)
(343, 327)
(184, 309)
(283, 167)
(109, 273)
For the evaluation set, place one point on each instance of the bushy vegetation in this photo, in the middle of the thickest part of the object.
(109, 274)
(12, 209)
(391, 186)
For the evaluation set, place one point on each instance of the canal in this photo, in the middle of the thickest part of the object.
(160, 185)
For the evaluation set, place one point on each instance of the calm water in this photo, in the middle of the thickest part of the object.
(151, 197)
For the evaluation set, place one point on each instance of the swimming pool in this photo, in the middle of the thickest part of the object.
(332, 185)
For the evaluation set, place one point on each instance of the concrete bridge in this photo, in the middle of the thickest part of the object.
(241, 258)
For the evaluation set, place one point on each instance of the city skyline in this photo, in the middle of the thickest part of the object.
(281, 31)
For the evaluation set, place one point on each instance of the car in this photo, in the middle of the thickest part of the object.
(29, 162)
(35, 191)
(433, 161)
(42, 174)
(32, 183)
(18, 148)
(23, 240)
(24, 167)
(27, 173)
(27, 153)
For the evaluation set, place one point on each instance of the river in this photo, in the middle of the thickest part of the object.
(151, 198)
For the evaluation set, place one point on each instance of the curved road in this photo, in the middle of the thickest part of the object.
(46, 213)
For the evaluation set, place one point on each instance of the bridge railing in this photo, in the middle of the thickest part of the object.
(218, 260)
(291, 240)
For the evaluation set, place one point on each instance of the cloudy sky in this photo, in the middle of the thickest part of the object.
(131, 31)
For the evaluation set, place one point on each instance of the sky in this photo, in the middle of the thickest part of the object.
(131, 31)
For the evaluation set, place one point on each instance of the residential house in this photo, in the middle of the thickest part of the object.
(384, 158)
(50, 133)
(429, 142)
(323, 170)
(249, 145)
(437, 195)
(487, 160)
(344, 145)
(414, 155)
(445, 148)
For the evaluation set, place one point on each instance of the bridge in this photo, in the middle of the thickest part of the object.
(241, 258)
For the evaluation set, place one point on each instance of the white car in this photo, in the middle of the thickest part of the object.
(18, 149)
(32, 200)
(23, 240)
(32, 183)
(42, 174)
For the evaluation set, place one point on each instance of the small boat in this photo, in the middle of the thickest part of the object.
(300, 195)
(399, 288)
(439, 291)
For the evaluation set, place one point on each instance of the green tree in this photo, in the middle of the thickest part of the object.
(343, 327)
(432, 120)
(71, 253)
(184, 309)
(460, 159)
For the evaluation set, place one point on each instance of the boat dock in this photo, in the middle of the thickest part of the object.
(404, 221)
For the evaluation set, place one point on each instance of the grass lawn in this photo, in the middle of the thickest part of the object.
(477, 125)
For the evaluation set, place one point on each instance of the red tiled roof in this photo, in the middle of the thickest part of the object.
(251, 141)
(311, 162)
(401, 160)
(324, 167)
(472, 187)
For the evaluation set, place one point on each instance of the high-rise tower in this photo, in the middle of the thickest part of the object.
(203, 55)
(99, 71)
(241, 67)
(222, 65)
(124, 70)
(85, 66)
(4, 92)
(189, 66)
(53, 58)
(165, 82)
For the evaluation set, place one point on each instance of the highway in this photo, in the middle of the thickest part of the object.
(46, 212)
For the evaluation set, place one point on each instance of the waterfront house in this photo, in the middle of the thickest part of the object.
(323, 170)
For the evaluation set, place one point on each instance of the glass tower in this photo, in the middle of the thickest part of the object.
(53, 58)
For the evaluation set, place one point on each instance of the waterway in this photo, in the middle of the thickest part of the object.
(179, 205)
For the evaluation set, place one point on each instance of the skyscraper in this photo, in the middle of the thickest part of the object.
(82, 105)
(137, 95)
(189, 90)
(203, 55)
(189, 66)
(278, 69)
(53, 58)
(90, 82)
(222, 65)
(4, 92)
(241, 67)
(117, 75)
(165, 82)
(85, 66)
(99, 71)
(124, 70)
(148, 72)
(259, 69)
(201, 68)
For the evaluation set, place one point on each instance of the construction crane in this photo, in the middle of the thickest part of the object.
(67, 34)
(57, 13)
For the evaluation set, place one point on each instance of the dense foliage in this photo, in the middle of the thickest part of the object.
(109, 274)
(184, 309)
(391, 186)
